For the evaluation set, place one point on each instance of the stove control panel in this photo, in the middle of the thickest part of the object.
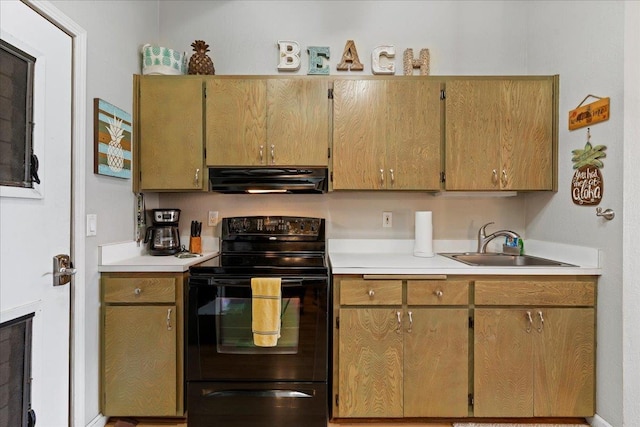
(273, 225)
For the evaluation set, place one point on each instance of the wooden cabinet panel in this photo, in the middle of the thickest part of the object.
(535, 292)
(370, 353)
(502, 363)
(436, 354)
(170, 133)
(564, 363)
(298, 125)
(236, 122)
(139, 289)
(370, 292)
(140, 360)
(359, 134)
(437, 292)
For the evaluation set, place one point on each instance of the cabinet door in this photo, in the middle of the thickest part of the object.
(564, 362)
(170, 133)
(436, 360)
(472, 154)
(503, 363)
(359, 134)
(413, 156)
(139, 356)
(527, 135)
(298, 122)
(236, 122)
(370, 363)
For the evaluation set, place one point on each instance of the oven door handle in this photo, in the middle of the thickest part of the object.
(286, 282)
(255, 393)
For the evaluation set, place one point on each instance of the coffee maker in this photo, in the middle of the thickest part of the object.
(163, 236)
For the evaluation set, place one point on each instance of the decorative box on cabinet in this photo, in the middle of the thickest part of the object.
(141, 345)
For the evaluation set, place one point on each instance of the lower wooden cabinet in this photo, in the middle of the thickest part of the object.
(478, 347)
(141, 346)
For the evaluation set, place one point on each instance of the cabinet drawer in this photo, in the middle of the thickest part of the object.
(139, 289)
(437, 292)
(535, 292)
(370, 292)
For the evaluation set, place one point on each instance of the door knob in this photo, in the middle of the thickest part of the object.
(62, 270)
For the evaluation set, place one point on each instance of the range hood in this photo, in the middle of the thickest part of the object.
(268, 180)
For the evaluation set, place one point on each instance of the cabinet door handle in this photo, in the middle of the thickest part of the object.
(137, 291)
(438, 293)
(393, 178)
(530, 322)
(410, 322)
(541, 327)
(399, 327)
(273, 154)
(381, 176)
(494, 177)
(196, 179)
(169, 327)
(262, 154)
(371, 293)
(504, 177)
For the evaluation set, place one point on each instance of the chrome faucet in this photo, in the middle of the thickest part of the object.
(483, 239)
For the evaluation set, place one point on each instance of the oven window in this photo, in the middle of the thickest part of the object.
(233, 326)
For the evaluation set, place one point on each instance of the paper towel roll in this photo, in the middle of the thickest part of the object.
(423, 246)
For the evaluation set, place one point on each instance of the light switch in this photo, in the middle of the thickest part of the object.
(92, 224)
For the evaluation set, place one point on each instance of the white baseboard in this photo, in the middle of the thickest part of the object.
(99, 421)
(598, 421)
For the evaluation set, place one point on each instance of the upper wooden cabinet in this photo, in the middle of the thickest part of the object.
(501, 133)
(267, 121)
(169, 133)
(387, 134)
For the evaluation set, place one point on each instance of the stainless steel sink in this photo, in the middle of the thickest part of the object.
(503, 260)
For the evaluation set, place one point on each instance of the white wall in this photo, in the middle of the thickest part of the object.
(115, 32)
(584, 43)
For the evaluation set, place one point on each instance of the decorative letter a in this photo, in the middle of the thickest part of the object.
(350, 56)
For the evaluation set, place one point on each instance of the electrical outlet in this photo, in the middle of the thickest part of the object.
(212, 218)
(387, 219)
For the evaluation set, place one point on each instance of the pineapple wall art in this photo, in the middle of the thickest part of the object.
(587, 184)
(112, 140)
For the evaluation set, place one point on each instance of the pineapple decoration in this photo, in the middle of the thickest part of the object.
(200, 63)
(587, 184)
(115, 153)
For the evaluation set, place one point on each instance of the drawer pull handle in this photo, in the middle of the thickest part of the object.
(261, 155)
(541, 327)
(381, 176)
(494, 177)
(371, 293)
(393, 178)
(410, 322)
(438, 293)
(530, 322)
(169, 327)
(399, 317)
(137, 291)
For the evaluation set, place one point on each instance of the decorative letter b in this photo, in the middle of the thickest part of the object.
(289, 55)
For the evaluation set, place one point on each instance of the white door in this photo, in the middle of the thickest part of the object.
(35, 223)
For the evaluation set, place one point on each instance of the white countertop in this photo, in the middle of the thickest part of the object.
(128, 257)
(389, 256)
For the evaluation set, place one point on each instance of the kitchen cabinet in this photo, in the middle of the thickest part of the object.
(501, 133)
(142, 344)
(395, 355)
(387, 134)
(168, 133)
(267, 121)
(534, 347)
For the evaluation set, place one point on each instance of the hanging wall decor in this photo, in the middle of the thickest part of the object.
(590, 114)
(112, 140)
(587, 184)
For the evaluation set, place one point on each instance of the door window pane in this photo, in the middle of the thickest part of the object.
(18, 168)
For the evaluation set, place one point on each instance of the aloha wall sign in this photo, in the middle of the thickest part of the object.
(587, 184)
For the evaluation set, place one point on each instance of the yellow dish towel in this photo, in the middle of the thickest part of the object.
(265, 311)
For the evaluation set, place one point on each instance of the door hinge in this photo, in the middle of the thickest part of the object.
(330, 94)
(471, 400)
(204, 91)
(337, 323)
(331, 176)
(470, 322)
(443, 95)
(337, 400)
(443, 177)
(328, 153)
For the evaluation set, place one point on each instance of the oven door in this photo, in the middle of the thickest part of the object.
(220, 341)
